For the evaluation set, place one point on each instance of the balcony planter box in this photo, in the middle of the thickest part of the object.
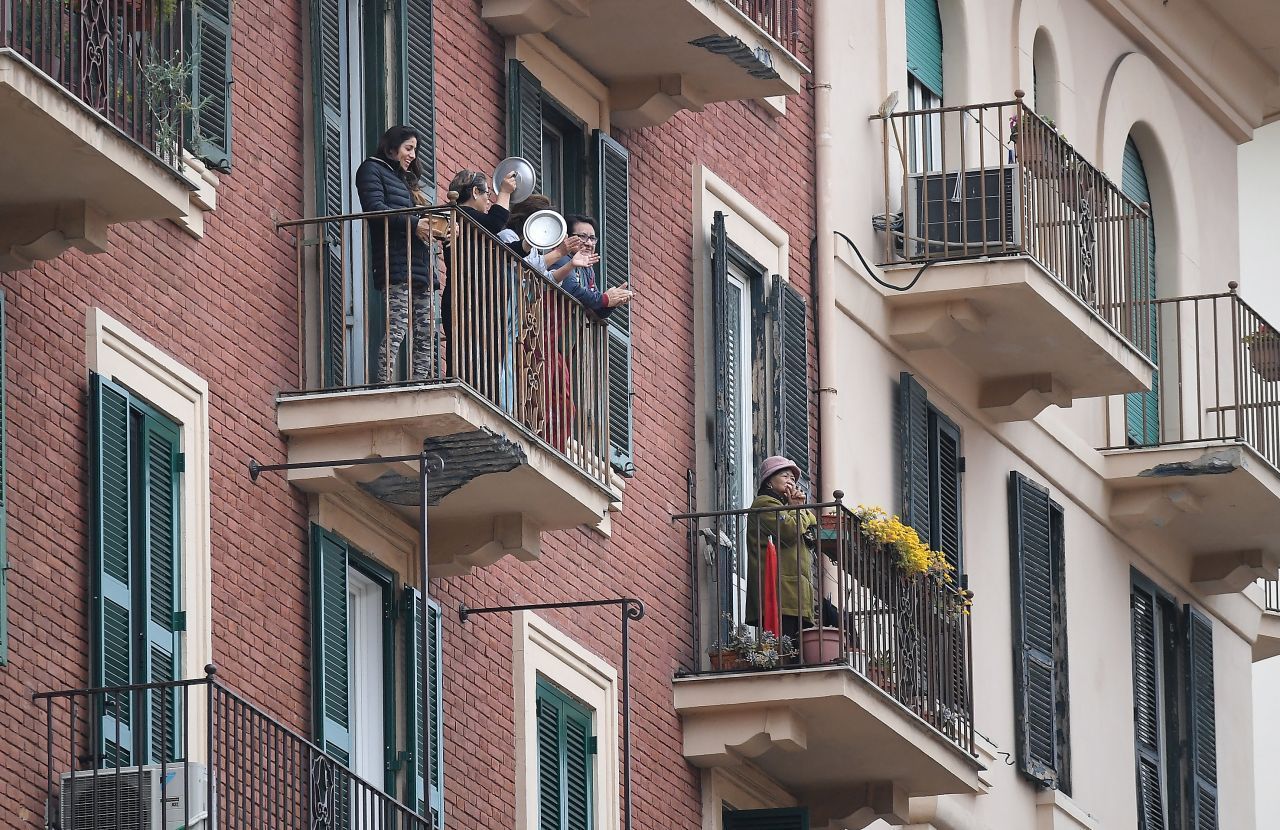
(1264, 355)
(727, 659)
(820, 645)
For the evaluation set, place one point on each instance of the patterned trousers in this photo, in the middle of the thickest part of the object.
(427, 359)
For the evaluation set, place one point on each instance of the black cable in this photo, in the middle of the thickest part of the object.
(871, 272)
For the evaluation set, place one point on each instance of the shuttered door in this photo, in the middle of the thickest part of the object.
(417, 81)
(208, 33)
(913, 432)
(1039, 632)
(1142, 409)
(790, 315)
(613, 197)
(946, 467)
(1202, 735)
(924, 43)
(725, 330)
(424, 722)
(330, 681)
(788, 818)
(1147, 714)
(4, 490)
(565, 766)
(524, 116)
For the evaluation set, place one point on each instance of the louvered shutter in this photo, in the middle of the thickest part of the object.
(614, 200)
(524, 116)
(947, 467)
(208, 33)
(787, 818)
(330, 114)
(424, 723)
(330, 681)
(924, 43)
(565, 767)
(417, 81)
(1040, 705)
(4, 490)
(1142, 409)
(1201, 723)
(913, 433)
(790, 314)
(726, 349)
(1147, 688)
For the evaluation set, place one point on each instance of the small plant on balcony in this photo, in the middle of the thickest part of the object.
(166, 82)
(914, 556)
(1264, 352)
(758, 649)
(880, 670)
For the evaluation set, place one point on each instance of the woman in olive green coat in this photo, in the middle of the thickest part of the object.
(792, 532)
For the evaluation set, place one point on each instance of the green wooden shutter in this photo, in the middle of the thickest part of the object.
(787, 818)
(565, 767)
(417, 81)
(330, 682)
(924, 43)
(208, 32)
(4, 491)
(328, 32)
(790, 314)
(1147, 720)
(913, 433)
(1142, 409)
(945, 481)
(1039, 631)
(1202, 784)
(425, 791)
(524, 115)
(725, 331)
(613, 198)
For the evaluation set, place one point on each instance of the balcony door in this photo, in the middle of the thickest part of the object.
(1142, 409)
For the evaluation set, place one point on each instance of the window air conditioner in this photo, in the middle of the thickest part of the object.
(982, 216)
(130, 798)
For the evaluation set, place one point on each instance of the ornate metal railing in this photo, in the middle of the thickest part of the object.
(123, 58)
(992, 180)
(1218, 378)
(202, 754)
(512, 335)
(1271, 595)
(839, 597)
(779, 18)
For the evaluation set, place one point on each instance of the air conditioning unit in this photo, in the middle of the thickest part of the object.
(963, 213)
(135, 798)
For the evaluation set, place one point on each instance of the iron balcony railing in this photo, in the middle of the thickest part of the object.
(1271, 595)
(841, 598)
(780, 19)
(992, 180)
(123, 58)
(1217, 379)
(510, 334)
(202, 755)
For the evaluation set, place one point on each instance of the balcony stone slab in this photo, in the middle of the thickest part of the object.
(67, 173)
(496, 488)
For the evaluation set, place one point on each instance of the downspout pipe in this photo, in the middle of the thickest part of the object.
(823, 266)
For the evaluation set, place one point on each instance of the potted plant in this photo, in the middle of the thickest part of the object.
(821, 645)
(913, 555)
(1040, 151)
(749, 648)
(1264, 352)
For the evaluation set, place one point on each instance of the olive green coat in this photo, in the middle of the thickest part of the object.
(795, 561)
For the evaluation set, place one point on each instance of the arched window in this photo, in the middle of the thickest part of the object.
(1142, 409)
(1044, 76)
(924, 81)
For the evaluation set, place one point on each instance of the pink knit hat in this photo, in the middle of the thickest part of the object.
(774, 464)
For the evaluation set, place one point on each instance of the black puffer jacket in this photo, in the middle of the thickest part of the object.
(382, 187)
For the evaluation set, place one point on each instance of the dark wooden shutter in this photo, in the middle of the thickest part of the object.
(417, 81)
(1202, 736)
(787, 818)
(1142, 409)
(613, 197)
(4, 490)
(209, 49)
(330, 681)
(1039, 631)
(725, 356)
(424, 726)
(913, 432)
(524, 116)
(330, 116)
(946, 471)
(1147, 721)
(565, 768)
(790, 312)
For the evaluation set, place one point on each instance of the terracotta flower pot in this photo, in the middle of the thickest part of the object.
(726, 660)
(1264, 356)
(820, 645)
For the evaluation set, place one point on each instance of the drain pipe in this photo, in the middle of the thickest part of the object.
(825, 315)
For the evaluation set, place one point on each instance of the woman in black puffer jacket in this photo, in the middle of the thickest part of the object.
(399, 253)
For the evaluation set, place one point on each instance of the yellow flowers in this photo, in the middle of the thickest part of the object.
(913, 554)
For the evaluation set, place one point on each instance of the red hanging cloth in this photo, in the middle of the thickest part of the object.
(770, 617)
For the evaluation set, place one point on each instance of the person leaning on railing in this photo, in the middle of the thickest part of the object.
(791, 531)
(391, 179)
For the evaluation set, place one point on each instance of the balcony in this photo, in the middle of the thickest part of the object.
(1192, 465)
(1025, 254)
(88, 136)
(514, 405)
(889, 668)
(194, 754)
(662, 56)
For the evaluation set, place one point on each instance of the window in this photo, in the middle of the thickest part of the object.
(136, 561)
(208, 48)
(787, 818)
(932, 471)
(1175, 739)
(566, 753)
(359, 625)
(1037, 573)
(924, 84)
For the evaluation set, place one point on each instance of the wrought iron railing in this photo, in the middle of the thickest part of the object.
(992, 180)
(202, 754)
(123, 58)
(1271, 595)
(505, 330)
(779, 18)
(1218, 379)
(839, 597)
